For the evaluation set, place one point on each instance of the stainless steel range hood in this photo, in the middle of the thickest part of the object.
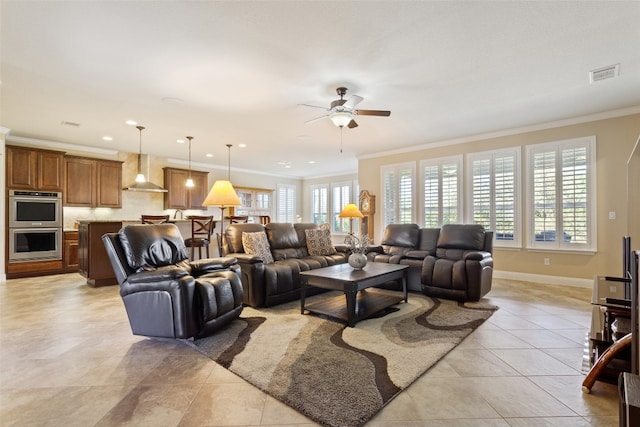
(146, 186)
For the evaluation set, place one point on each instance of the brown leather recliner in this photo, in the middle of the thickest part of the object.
(164, 294)
(462, 267)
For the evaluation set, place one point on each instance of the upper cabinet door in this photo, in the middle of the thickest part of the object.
(32, 169)
(200, 189)
(50, 171)
(80, 182)
(109, 184)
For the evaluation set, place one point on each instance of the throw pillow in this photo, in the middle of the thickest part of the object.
(319, 242)
(257, 244)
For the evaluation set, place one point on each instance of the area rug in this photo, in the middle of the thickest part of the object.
(333, 374)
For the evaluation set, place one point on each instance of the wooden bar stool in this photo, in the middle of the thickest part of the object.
(201, 229)
(238, 219)
(265, 219)
(154, 219)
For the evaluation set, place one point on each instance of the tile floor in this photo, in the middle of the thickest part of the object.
(67, 358)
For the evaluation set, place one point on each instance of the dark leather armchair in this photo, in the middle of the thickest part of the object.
(164, 294)
(462, 267)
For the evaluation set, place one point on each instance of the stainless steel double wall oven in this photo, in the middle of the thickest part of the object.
(35, 225)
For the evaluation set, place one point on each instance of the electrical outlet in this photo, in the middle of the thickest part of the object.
(547, 261)
(612, 215)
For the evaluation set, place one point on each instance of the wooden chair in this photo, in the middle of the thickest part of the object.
(201, 229)
(234, 219)
(154, 219)
(265, 219)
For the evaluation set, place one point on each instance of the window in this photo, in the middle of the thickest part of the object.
(319, 204)
(561, 184)
(494, 189)
(441, 188)
(286, 203)
(398, 193)
(341, 197)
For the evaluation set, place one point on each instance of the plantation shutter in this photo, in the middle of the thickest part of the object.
(319, 206)
(398, 184)
(286, 203)
(494, 199)
(562, 183)
(440, 185)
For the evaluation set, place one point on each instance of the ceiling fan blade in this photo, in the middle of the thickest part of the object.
(317, 118)
(353, 101)
(312, 106)
(373, 113)
(352, 124)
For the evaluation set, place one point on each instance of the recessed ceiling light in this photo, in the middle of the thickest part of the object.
(180, 141)
(107, 138)
(242, 145)
(209, 155)
(312, 162)
(288, 166)
(284, 162)
(131, 122)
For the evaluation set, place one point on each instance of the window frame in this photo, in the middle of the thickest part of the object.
(588, 142)
(397, 167)
(491, 156)
(440, 162)
(287, 216)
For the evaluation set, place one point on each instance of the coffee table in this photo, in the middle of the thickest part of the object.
(360, 303)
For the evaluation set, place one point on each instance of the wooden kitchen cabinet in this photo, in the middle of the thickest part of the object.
(180, 197)
(92, 182)
(34, 169)
(70, 251)
(93, 261)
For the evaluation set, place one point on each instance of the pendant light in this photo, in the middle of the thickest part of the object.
(141, 183)
(189, 183)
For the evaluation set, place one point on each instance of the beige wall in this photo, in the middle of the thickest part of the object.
(615, 138)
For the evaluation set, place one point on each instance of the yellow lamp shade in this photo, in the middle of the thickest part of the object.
(350, 211)
(222, 194)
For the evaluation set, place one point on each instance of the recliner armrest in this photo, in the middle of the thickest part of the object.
(210, 265)
(476, 255)
(377, 249)
(416, 254)
(160, 274)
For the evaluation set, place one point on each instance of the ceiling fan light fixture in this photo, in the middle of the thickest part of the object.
(341, 118)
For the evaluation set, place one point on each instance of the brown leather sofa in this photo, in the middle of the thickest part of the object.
(268, 284)
(432, 253)
(164, 294)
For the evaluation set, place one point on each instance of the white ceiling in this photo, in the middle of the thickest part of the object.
(234, 72)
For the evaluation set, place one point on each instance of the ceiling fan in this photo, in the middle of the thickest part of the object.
(342, 110)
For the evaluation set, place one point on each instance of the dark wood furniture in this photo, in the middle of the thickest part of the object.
(92, 182)
(154, 219)
(70, 251)
(93, 262)
(178, 196)
(238, 219)
(34, 169)
(201, 229)
(367, 205)
(360, 302)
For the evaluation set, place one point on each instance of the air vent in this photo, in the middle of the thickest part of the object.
(604, 73)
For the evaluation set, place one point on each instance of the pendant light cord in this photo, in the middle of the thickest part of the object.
(341, 127)
(229, 162)
(140, 128)
(189, 138)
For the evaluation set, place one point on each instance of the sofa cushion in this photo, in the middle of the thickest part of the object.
(149, 246)
(257, 244)
(319, 242)
(285, 241)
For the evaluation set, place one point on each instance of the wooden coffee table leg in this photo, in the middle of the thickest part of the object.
(351, 307)
(303, 292)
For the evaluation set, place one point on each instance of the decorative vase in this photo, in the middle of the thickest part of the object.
(357, 261)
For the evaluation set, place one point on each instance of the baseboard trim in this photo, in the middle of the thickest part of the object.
(544, 279)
